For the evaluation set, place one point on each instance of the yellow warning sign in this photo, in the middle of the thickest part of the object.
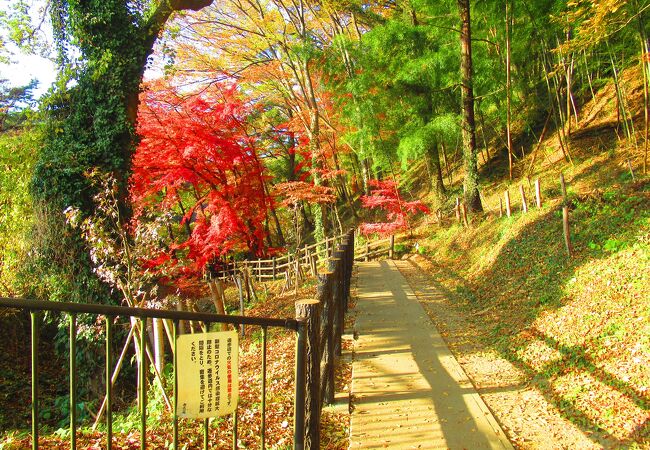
(208, 379)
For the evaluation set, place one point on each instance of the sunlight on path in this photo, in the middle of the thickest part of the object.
(409, 391)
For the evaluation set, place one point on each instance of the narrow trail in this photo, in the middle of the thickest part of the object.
(409, 391)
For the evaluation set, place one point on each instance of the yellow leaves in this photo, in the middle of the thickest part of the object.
(593, 21)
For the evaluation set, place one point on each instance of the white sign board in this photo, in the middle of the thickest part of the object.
(208, 379)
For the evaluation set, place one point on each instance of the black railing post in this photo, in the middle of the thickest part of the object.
(264, 348)
(143, 383)
(350, 265)
(109, 382)
(299, 407)
(335, 268)
(175, 363)
(344, 249)
(73, 381)
(35, 330)
(338, 300)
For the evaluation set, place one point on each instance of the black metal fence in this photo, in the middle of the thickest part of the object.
(142, 315)
(319, 325)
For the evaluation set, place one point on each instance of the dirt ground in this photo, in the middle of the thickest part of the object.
(527, 417)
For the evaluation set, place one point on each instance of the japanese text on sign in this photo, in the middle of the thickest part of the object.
(208, 381)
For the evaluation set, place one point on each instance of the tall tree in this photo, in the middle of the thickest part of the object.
(93, 122)
(470, 183)
(103, 47)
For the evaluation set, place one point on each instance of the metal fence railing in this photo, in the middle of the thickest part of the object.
(141, 316)
(319, 325)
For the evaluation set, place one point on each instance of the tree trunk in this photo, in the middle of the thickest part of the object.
(509, 85)
(472, 196)
(437, 181)
(365, 167)
(218, 298)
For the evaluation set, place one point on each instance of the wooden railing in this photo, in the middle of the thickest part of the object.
(290, 266)
(375, 249)
(325, 324)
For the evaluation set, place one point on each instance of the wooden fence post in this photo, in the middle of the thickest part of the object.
(565, 229)
(274, 267)
(538, 193)
(500, 207)
(629, 166)
(367, 250)
(463, 208)
(565, 218)
(391, 249)
(309, 310)
(457, 210)
(313, 264)
(324, 296)
(524, 203)
(507, 200)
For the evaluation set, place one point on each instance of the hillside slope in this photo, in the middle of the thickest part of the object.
(578, 327)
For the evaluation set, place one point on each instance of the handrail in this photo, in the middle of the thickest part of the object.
(109, 310)
(139, 334)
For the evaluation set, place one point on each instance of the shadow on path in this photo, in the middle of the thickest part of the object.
(409, 391)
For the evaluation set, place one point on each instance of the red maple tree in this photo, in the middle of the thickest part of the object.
(385, 195)
(196, 162)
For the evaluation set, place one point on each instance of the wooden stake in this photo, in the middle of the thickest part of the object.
(500, 207)
(629, 165)
(391, 249)
(565, 228)
(524, 203)
(538, 193)
(158, 344)
(507, 200)
(463, 209)
(457, 209)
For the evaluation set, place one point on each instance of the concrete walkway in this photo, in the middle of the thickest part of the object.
(408, 389)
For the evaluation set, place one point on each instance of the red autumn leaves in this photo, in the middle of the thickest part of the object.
(385, 196)
(199, 164)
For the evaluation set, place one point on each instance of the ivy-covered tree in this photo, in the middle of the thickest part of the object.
(103, 49)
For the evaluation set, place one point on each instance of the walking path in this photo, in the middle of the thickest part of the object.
(408, 389)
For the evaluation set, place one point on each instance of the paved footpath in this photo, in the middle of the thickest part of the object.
(409, 390)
